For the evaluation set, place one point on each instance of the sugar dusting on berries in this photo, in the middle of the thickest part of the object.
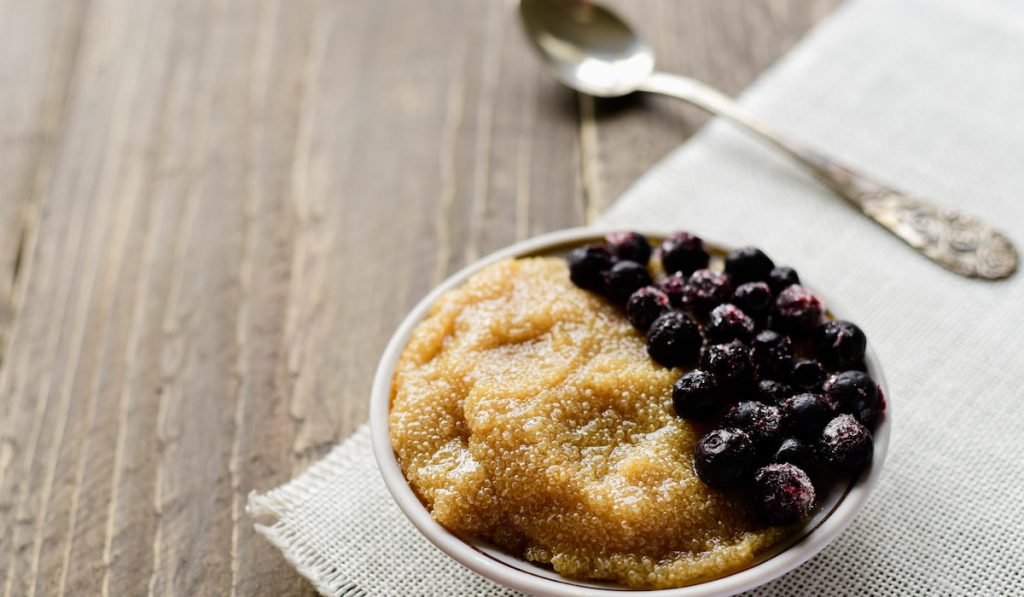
(797, 311)
(783, 493)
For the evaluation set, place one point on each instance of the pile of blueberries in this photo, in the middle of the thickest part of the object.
(781, 423)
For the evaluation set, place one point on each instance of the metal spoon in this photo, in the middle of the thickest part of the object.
(593, 51)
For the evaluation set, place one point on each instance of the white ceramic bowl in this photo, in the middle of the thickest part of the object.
(838, 508)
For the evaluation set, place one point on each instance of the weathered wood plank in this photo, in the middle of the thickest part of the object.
(38, 46)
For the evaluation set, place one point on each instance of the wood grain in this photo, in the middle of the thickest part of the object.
(214, 212)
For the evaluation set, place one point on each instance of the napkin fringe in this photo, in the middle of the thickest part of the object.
(279, 503)
(309, 562)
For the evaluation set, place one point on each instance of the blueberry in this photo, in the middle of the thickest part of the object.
(782, 278)
(804, 415)
(797, 311)
(748, 264)
(625, 278)
(727, 323)
(755, 298)
(673, 339)
(683, 252)
(840, 344)
(696, 395)
(845, 444)
(730, 362)
(770, 391)
(705, 290)
(808, 375)
(854, 392)
(588, 266)
(644, 306)
(673, 286)
(629, 246)
(760, 421)
(783, 494)
(773, 354)
(796, 452)
(724, 458)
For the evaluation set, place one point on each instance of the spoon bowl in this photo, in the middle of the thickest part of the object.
(588, 47)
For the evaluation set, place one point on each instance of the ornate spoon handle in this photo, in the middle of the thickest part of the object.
(959, 242)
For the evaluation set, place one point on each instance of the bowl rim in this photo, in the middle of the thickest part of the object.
(466, 554)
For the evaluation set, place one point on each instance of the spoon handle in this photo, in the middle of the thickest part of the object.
(955, 240)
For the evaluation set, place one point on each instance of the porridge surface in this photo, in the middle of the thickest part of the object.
(526, 412)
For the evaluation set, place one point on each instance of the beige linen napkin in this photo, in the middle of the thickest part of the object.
(929, 96)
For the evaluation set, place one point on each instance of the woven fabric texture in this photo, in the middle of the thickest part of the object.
(927, 95)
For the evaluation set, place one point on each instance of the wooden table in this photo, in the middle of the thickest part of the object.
(213, 213)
